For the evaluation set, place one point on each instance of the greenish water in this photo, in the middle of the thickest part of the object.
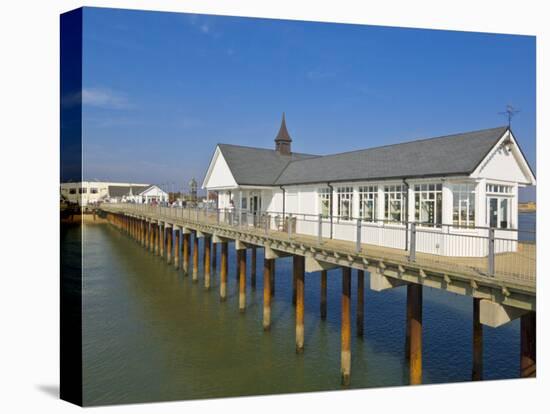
(150, 334)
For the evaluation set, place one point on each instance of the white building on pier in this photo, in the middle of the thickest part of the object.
(459, 185)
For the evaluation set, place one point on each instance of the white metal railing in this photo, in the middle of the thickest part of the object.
(504, 252)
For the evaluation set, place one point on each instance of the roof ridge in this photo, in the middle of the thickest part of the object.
(415, 141)
(267, 149)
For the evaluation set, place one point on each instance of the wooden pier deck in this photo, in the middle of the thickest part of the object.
(513, 284)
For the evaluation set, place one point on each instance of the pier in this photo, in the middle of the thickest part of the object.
(499, 294)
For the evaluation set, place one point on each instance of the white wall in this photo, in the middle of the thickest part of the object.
(219, 175)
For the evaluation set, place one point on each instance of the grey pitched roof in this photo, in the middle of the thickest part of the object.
(448, 155)
(120, 191)
(256, 166)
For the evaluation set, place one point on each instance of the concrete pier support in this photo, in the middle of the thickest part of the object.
(223, 271)
(162, 240)
(477, 343)
(360, 320)
(345, 359)
(267, 294)
(157, 239)
(151, 242)
(176, 248)
(185, 252)
(323, 295)
(299, 272)
(206, 253)
(272, 279)
(241, 257)
(169, 235)
(528, 356)
(214, 257)
(195, 257)
(415, 354)
(253, 267)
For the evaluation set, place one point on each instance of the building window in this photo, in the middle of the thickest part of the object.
(499, 189)
(464, 205)
(368, 198)
(394, 206)
(427, 204)
(324, 202)
(93, 190)
(82, 190)
(345, 202)
(72, 191)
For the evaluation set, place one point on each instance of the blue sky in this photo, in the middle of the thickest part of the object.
(161, 89)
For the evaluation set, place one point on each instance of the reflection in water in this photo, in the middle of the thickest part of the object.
(150, 334)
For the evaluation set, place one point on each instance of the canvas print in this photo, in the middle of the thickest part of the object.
(254, 206)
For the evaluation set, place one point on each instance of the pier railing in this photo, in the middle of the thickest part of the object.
(502, 253)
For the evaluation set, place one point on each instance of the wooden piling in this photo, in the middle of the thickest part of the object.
(360, 302)
(176, 248)
(223, 272)
(169, 245)
(214, 257)
(272, 279)
(206, 254)
(477, 343)
(299, 268)
(415, 356)
(162, 239)
(195, 257)
(151, 238)
(295, 269)
(323, 295)
(528, 345)
(253, 267)
(157, 239)
(241, 257)
(185, 252)
(345, 359)
(267, 294)
(408, 325)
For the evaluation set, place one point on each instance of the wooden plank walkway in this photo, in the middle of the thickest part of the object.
(517, 267)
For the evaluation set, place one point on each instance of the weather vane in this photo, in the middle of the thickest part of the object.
(509, 112)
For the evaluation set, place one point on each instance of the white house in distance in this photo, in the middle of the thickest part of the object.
(140, 194)
(459, 184)
(92, 192)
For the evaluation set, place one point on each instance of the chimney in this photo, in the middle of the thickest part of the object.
(283, 140)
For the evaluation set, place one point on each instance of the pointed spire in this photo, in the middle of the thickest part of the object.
(283, 140)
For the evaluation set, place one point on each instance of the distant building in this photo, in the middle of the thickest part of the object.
(140, 194)
(92, 192)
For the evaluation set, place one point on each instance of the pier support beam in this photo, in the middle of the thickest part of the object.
(272, 279)
(267, 294)
(151, 238)
(360, 302)
(414, 305)
(162, 239)
(299, 268)
(323, 295)
(157, 239)
(169, 236)
(195, 257)
(253, 267)
(477, 343)
(345, 358)
(207, 243)
(214, 257)
(176, 247)
(241, 258)
(185, 251)
(223, 272)
(528, 356)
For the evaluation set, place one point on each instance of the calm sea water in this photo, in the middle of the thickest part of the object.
(150, 334)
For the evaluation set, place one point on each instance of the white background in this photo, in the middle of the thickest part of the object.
(29, 166)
